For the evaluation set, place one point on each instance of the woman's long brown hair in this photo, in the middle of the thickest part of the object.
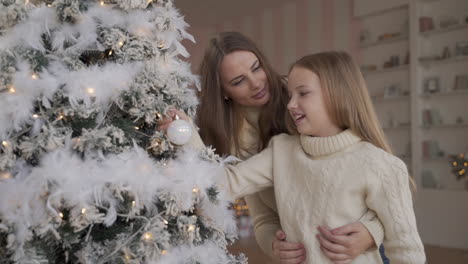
(220, 120)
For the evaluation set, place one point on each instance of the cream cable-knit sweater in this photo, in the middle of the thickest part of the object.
(262, 205)
(333, 181)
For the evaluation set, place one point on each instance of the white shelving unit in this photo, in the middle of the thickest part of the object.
(441, 208)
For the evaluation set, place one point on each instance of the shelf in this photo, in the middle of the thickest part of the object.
(390, 99)
(437, 160)
(396, 128)
(382, 42)
(444, 94)
(445, 126)
(438, 62)
(443, 30)
(381, 12)
(392, 69)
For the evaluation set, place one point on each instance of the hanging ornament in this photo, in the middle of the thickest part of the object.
(179, 131)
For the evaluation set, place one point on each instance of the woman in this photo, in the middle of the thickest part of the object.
(242, 105)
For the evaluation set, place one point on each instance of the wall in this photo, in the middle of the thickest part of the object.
(288, 31)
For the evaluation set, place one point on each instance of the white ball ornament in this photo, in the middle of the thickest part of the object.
(179, 132)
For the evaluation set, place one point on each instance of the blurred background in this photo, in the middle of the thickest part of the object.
(414, 55)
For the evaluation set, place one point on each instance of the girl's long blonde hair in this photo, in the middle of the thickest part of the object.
(346, 96)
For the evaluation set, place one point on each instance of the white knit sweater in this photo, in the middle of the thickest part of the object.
(333, 181)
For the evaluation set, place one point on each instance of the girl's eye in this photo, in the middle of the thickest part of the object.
(303, 93)
(257, 67)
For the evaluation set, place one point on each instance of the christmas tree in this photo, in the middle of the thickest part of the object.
(85, 176)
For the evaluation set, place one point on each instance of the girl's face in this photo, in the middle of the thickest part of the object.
(307, 106)
(243, 78)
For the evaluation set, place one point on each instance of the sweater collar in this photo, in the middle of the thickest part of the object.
(323, 146)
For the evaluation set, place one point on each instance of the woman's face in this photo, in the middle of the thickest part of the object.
(307, 106)
(244, 80)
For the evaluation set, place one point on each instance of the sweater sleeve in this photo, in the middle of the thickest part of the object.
(195, 140)
(250, 176)
(389, 196)
(265, 219)
(374, 226)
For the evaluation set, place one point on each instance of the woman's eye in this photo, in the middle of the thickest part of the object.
(236, 83)
(303, 93)
(257, 67)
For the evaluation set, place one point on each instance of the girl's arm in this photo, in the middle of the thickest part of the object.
(250, 176)
(389, 195)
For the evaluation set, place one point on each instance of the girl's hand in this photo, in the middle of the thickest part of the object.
(287, 252)
(166, 121)
(342, 245)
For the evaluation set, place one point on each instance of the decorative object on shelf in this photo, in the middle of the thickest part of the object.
(365, 36)
(432, 150)
(459, 165)
(461, 82)
(448, 21)
(392, 90)
(459, 120)
(432, 117)
(394, 61)
(429, 180)
(431, 85)
(388, 36)
(426, 24)
(446, 54)
(368, 67)
(404, 123)
(407, 58)
(461, 48)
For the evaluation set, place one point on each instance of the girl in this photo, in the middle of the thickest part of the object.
(339, 166)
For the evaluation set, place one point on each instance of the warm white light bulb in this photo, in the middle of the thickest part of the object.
(5, 143)
(121, 43)
(195, 190)
(90, 90)
(12, 89)
(191, 228)
(147, 236)
(83, 211)
(35, 116)
(5, 175)
(34, 76)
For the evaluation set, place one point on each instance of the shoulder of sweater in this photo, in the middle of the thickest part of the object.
(284, 139)
(379, 158)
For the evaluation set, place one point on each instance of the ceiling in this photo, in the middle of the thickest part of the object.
(202, 12)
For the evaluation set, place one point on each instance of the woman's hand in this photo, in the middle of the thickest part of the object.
(171, 114)
(287, 252)
(342, 245)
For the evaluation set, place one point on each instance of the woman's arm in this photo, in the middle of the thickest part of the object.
(265, 219)
(389, 195)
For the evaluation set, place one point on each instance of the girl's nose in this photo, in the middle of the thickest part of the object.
(291, 104)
